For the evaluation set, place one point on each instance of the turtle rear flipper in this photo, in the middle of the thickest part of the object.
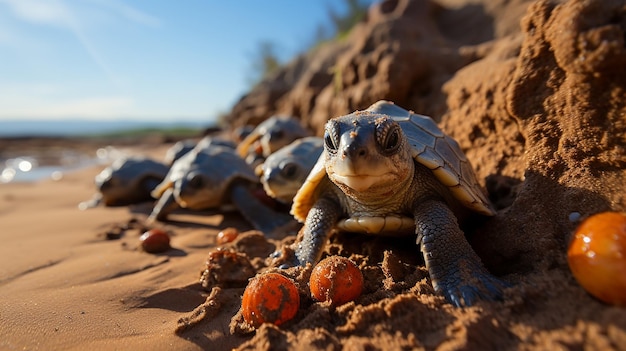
(260, 216)
(166, 204)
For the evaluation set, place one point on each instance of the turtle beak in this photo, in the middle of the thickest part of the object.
(355, 150)
(358, 165)
(355, 154)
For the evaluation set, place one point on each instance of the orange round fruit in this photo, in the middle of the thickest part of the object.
(597, 256)
(270, 298)
(155, 241)
(336, 279)
(227, 235)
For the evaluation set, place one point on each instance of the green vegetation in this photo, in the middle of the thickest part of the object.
(265, 61)
(164, 133)
(343, 23)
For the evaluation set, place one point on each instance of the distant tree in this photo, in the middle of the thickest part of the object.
(265, 61)
(343, 22)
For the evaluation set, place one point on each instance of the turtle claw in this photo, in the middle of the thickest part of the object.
(286, 266)
(291, 262)
(285, 258)
(463, 296)
(487, 288)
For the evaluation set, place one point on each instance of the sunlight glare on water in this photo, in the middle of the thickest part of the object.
(29, 168)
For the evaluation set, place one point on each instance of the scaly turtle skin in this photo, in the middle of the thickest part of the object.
(126, 181)
(388, 171)
(269, 136)
(210, 177)
(285, 170)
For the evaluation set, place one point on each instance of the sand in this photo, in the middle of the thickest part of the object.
(64, 285)
(541, 116)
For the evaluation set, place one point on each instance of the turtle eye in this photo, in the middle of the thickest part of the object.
(388, 136)
(331, 138)
(392, 141)
(289, 170)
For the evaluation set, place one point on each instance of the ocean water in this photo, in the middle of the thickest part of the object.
(33, 167)
(77, 127)
(29, 166)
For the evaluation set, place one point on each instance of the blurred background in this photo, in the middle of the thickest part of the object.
(73, 67)
(81, 75)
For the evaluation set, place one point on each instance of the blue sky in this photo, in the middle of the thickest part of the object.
(140, 59)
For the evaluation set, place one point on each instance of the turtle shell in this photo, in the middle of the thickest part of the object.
(273, 133)
(430, 147)
(129, 180)
(218, 165)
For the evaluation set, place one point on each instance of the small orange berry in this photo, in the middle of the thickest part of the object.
(271, 298)
(227, 235)
(155, 241)
(336, 279)
(597, 256)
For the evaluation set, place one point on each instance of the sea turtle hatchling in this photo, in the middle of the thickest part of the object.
(209, 178)
(284, 171)
(128, 180)
(388, 171)
(182, 147)
(269, 136)
(177, 150)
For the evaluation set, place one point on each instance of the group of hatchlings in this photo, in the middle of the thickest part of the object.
(380, 171)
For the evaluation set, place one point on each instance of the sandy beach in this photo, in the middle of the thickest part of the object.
(535, 100)
(64, 285)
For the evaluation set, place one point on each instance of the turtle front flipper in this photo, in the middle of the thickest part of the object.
(166, 205)
(455, 269)
(91, 203)
(317, 227)
(149, 184)
(260, 216)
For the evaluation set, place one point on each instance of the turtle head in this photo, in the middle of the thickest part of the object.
(196, 191)
(113, 185)
(279, 131)
(281, 180)
(367, 152)
(112, 189)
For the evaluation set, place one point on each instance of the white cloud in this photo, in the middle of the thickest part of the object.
(48, 12)
(60, 13)
(130, 13)
(76, 18)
